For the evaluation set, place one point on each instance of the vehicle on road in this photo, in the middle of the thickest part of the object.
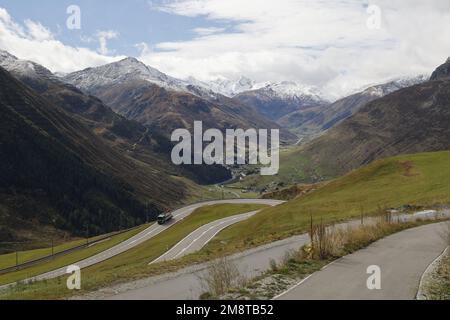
(164, 218)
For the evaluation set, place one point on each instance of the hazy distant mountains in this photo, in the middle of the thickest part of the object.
(410, 120)
(312, 121)
(302, 109)
(162, 103)
(279, 100)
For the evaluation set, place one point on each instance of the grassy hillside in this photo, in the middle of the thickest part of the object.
(420, 180)
(409, 121)
(295, 168)
(131, 264)
(64, 260)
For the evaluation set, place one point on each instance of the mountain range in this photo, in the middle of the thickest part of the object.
(312, 121)
(162, 103)
(123, 134)
(278, 100)
(410, 120)
(69, 161)
(57, 172)
(92, 148)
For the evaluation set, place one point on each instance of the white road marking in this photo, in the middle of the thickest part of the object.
(292, 288)
(142, 236)
(226, 221)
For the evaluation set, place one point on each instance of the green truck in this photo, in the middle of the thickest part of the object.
(164, 218)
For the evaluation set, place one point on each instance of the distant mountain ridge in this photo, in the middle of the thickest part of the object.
(162, 103)
(278, 100)
(122, 134)
(310, 123)
(122, 71)
(410, 120)
(23, 67)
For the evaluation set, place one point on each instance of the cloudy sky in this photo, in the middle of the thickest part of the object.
(337, 45)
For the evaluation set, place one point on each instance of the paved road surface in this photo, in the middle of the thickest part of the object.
(201, 237)
(185, 284)
(402, 257)
(143, 236)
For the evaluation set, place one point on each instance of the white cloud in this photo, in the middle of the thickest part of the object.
(33, 41)
(325, 43)
(208, 31)
(37, 31)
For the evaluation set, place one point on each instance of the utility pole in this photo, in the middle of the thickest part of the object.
(53, 248)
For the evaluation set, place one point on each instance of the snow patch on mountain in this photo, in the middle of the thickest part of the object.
(131, 69)
(23, 68)
(122, 71)
(289, 90)
(384, 89)
(281, 90)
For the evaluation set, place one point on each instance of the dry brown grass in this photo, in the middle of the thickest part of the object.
(328, 243)
(324, 242)
(220, 277)
(331, 242)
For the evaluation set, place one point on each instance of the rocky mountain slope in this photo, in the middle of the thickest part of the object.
(308, 123)
(411, 120)
(57, 173)
(120, 133)
(130, 88)
(278, 100)
(442, 72)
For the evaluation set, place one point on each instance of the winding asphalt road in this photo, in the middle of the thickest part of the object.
(185, 284)
(402, 259)
(142, 237)
(201, 237)
(424, 246)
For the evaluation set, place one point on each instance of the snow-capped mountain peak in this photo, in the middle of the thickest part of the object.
(292, 90)
(127, 69)
(395, 85)
(284, 89)
(5, 57)
(243, 84)
(23, 67)
(228, 87)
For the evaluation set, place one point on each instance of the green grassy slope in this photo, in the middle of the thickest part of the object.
(67, 259)
(9, 260)
(421, 180)
(133, 263)
(295, 168)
